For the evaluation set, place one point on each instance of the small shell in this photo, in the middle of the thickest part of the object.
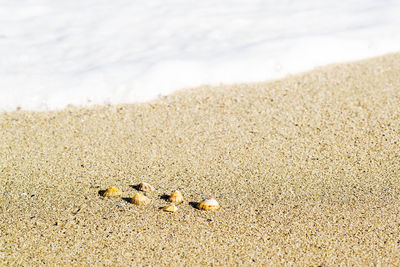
(176, 197)
(140, 199)
(170, 208)
(208, 204)
(145, 187)
(112, 192)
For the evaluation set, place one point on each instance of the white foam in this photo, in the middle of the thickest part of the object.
(56, 52)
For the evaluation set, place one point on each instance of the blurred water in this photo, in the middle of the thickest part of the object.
(54, 53)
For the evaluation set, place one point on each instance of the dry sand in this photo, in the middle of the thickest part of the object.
(306, 170)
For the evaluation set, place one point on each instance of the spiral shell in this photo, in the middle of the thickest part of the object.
(112, 192)
(208, 204)
(170, 208)
(140, 199)
(176, 197)
(145, 187)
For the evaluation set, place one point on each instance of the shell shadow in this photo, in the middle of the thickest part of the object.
(164, 196)
(101, 192)
(135, 186)
(127, 199)
(194, 204)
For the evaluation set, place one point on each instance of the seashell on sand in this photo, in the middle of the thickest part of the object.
(145, 187)
(140, 199)
(176, 197)
(170, 208)
(112, 192)
(208, 204)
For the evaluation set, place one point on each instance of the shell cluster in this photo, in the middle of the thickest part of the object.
(176, 198)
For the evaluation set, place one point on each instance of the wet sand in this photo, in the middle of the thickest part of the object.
(306, 169)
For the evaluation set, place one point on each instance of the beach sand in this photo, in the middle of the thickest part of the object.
(306, 169)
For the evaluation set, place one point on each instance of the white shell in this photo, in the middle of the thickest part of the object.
(208, 204)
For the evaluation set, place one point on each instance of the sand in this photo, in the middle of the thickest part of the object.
(306, 170)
